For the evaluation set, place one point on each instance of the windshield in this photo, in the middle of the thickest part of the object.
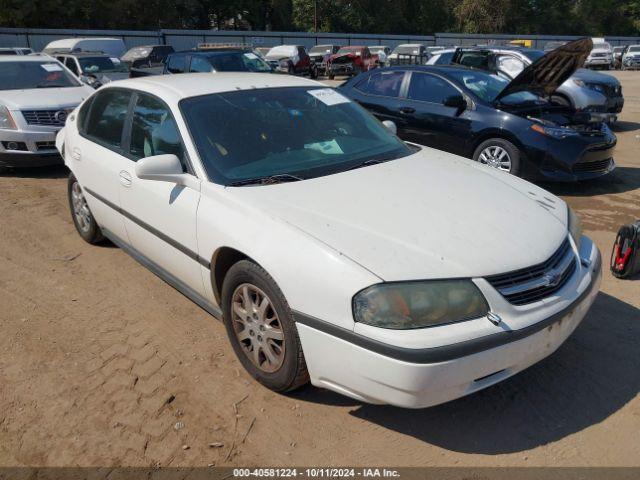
(138, 52)
(407, 50)
(634, 49)
(376, 49)
(301, 131)
(238, 62)
(487, 87)
(26, 75)
(320, 49)
(90, 65)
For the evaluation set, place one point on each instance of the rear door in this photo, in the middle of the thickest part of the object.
(97, 156)
(430, 122)
(380, 94)
(160, 217)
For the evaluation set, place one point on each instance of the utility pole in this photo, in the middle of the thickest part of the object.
(315, 16)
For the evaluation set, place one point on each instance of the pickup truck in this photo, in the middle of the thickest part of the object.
(224, 59)
(351, 60)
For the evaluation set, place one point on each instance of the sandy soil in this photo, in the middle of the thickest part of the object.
(101, 363)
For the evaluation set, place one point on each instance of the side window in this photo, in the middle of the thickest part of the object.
(70, 62)
(429, 88)
(475, 60)
(177, 64)
(107, 116)
(512, 66)
(386, 84)
(82, 115)
(154, 130)
(200, 64)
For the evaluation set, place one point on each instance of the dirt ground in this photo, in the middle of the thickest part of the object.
(103, 364)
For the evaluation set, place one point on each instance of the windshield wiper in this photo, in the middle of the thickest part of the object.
(268, 180)
(373, 161)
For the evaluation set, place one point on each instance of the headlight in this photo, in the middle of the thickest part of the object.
(407, 305)
(575, 226)
(554, 132)
(591, 86)
(6, 120)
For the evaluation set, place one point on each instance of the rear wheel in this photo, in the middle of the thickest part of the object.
(500, 154)
(83, 219)
(560, 100)
(261, 328)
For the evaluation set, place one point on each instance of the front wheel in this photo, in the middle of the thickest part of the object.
(83, 219)
(261, 328)
(500, 154)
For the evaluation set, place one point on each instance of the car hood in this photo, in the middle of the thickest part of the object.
(546, 74)
(590, 76)
(599, 50)
(44, 97)
(277, 57)
(428, 215)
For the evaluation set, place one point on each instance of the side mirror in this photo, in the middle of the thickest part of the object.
(455, 101)
(391, 126)
(165, 168)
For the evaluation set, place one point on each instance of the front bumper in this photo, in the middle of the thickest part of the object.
(342, 68)
(598, 61)
(35, 148)
(374, 372)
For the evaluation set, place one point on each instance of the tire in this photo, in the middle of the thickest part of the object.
(561, 100)
(496, 145)
(331, 76)
(290, 370)
(83, 219)
(313, 73)
(291, 70)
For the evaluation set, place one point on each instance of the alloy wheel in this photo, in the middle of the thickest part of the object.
(497, 157)
(257, 327)
(80, 208)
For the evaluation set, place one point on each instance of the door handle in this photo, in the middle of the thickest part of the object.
(76, 154)
(407, 110)
(125, 178)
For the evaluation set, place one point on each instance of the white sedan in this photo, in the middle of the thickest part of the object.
(333, 251)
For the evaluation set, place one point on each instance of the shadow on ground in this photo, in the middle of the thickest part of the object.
(621, 180)
(624, 126)
(591, 376)
(54, 171)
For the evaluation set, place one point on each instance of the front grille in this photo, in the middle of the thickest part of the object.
(592, 167)
(612, 90)
(599, 55)
(54, 118)
(45, 145)
(528, 285)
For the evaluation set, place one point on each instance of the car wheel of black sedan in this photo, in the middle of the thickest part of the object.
(499, 153)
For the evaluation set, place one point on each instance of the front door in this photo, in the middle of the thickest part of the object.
(160, 217)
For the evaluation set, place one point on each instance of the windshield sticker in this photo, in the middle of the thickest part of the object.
(328, 96)
(329, 148)
(114, 60)
(251, 56)
(51, 67)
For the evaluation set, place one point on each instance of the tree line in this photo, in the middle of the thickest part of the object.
(416, 17)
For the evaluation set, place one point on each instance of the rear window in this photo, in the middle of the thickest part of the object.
(27, 75)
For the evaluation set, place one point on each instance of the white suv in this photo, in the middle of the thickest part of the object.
(332, 250)
(36, 95)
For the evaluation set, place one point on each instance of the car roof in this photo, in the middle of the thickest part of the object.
(81, 54)
(176, 87)
(27, 58)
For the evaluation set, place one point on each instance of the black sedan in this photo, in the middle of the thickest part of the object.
(506, 125)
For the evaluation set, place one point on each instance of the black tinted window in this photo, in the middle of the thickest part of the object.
(200, 64)
(154, 131)
(428, 88)
(386, 84)
(177, 64)
(444, 58)
(107, 115)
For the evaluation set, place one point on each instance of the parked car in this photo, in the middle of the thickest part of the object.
(112, 46)
(94, 69)
(586, 90)
(320, 54)
(16, 51)
(209, 60)
(601, 56)
(351, 60)
(291, 59)
(36, 95)
(147, 56)
(409, 53)
(331, 250)
(617, 56)
(505, 124)
(631, 58)
(382, 51)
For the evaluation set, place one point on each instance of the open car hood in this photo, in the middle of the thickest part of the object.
(546, 74)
